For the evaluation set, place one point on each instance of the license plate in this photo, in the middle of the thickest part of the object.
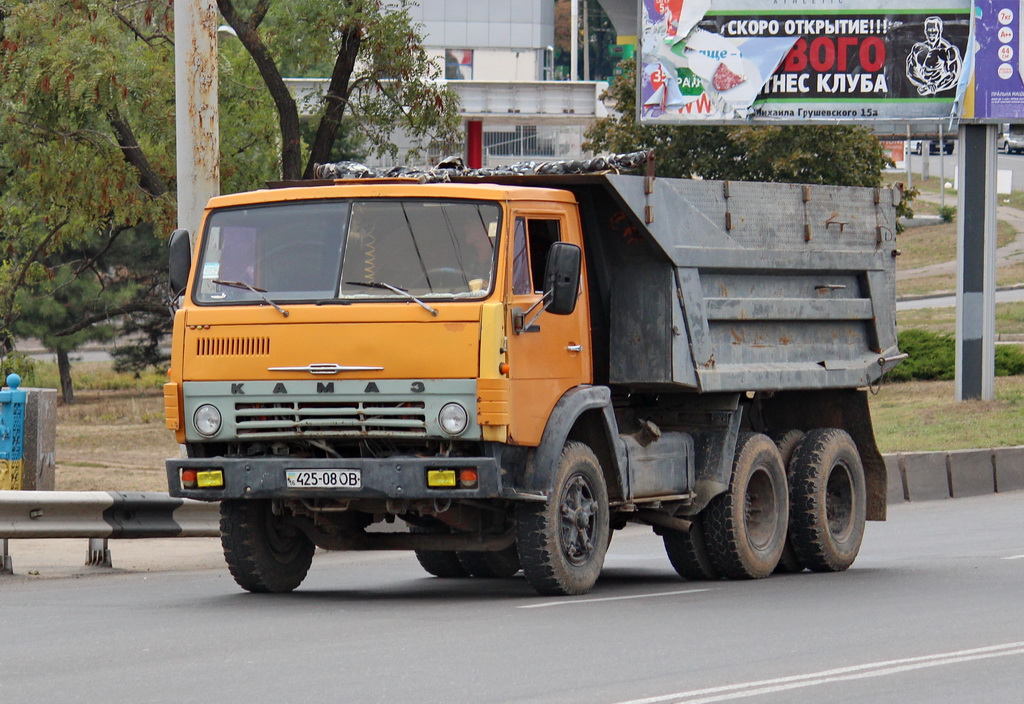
(324, 478)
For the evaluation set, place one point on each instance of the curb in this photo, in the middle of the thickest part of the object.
(953, 474)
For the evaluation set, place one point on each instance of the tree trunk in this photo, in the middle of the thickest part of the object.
(67, 390)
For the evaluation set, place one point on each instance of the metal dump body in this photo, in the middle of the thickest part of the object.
(737, 286)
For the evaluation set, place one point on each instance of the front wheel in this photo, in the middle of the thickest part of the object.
(264, 551)
(828, 497)
(562, 542)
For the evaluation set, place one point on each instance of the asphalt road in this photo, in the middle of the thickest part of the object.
(931, 612)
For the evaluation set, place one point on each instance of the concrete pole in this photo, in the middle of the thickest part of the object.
(196, 120)
(574, 38)
(976, 269)
(586, 40)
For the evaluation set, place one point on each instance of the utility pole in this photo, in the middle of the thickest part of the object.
(196, 119)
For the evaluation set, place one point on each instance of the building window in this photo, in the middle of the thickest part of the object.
(458, 64)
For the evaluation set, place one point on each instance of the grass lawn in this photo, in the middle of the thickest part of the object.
(924, 415)
(1009, 319)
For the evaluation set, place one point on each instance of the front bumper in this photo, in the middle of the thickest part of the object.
(392, 478)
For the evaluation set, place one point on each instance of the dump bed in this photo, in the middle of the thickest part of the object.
(737, 286)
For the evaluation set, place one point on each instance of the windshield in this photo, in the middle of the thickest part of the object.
(326, 250)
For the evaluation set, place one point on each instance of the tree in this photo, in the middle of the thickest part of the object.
(836, 155)
(380, 73)
(87, 164)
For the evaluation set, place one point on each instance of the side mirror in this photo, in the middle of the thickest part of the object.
(562, 277)
(179, 261)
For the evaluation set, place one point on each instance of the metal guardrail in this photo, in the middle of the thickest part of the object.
(100, 516)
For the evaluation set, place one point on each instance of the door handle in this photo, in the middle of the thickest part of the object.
(575, 348)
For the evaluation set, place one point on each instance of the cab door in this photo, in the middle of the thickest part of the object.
(547, 354)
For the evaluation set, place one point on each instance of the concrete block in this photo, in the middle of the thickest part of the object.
(40, 440)
(970, 473)
(1009, 463)
(926, 475)
(896, 492)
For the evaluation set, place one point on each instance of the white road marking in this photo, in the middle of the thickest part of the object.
(841, 674)
(567, 602)
(1014, 557)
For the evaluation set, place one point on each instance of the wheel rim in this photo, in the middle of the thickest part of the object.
(760, 512)
(578, 520)
(839, 501)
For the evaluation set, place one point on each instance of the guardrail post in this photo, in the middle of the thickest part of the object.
(12, 434)
(98, 554)
(6, 566)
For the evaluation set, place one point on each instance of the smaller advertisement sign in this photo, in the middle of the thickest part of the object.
(999, 61)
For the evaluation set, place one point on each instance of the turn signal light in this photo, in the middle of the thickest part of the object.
(212, 479)
(504, 369)
(441, 478)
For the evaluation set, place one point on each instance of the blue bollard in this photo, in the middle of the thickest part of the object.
(12, 433)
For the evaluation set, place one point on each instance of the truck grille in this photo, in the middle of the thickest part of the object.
(330, 420)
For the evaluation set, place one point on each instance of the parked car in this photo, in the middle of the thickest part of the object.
(1012, 141)
(916, 146)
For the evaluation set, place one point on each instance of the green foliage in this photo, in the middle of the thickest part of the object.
(933, 358)
(947, 213)
(87, 157)
(20, 364)
(836, 155)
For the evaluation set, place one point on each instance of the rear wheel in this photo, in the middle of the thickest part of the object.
(789, 563)
(688, 552)
(745, 527)
(440, 563)
(491, 565)
(264, 551)
(562, 542)
(829, 501)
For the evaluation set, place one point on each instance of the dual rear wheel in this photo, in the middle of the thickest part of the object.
(800, 503)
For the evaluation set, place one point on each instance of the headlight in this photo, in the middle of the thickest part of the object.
(207, 420)
(453, 419)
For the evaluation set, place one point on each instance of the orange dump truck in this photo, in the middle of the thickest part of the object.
(517, 366)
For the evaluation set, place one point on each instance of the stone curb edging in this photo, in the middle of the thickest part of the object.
(927, 476)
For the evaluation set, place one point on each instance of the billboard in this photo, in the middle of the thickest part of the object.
(998, 86)
(790, 61)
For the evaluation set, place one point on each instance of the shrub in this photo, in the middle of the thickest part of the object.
(947, 213)
(933, 357)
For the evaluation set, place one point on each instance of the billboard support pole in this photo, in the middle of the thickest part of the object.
(976, 247)
(906, 158)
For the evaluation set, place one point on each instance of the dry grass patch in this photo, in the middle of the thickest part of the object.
(113, 441)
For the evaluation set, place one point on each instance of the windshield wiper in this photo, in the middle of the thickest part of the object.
(258, 291)
(404, 294)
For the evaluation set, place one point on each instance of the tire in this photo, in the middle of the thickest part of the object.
(440, 563)
(787, 443)
(745, 528)
(265, 554)
(828, 501)
(688, 553)
(491, 565)
(562, 542)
